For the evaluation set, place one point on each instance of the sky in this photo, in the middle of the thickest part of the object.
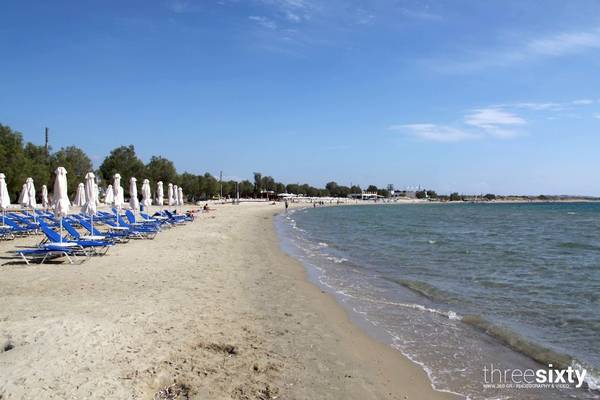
(468, 96)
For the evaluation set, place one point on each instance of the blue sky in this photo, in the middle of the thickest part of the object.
(472, 96)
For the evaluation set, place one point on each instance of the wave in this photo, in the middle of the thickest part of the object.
(578, 246)
(424, 289)
(535, 351)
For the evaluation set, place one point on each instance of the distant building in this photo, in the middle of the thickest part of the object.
(365, 195)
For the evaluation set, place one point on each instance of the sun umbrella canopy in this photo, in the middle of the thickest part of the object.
(134, 203)
(31, 203)
(96, 194)
(119, 199)
(175, 195)
(159, 193)
(109, 197)
(146, 193)
(23, 196)
(60, 196)
(79, 199)
(4, 197)
(45, 202)
(89, 208)
(170, 193)
(180, 196)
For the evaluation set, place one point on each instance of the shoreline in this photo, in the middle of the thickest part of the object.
(215, 306)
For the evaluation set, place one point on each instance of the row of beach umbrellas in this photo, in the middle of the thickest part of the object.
(88, 193)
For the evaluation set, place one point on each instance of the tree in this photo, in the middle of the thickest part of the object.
(372, 189)
(161, 169)
(455, 197)
(490, 196)
(13, 162)
(257, 183)
(421, 194)
(126, 163)
(77, 164)
(432, 194)
(246, 188)
(355, 189)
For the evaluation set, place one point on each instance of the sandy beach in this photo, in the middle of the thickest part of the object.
(214, 307)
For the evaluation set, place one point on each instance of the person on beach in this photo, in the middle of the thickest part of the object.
(286, 205)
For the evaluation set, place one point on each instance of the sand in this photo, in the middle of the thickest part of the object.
(210, 310)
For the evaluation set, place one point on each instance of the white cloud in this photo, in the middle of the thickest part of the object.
(292, 10)
(263, 21)
(435, 133)
(478, 123)
(597, 116)
(565, 43)
(555, 45)
(178, 6)
(582, 102)
(492, 119)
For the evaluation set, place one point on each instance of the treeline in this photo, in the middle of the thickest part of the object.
(20, 160)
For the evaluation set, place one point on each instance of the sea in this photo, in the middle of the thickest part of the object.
(462, 289)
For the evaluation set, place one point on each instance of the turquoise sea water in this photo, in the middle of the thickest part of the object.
(456, 287)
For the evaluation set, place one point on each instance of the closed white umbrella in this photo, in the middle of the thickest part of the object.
(119, 195)
(31, 202)
(134, 203)
(109, 197)
(45, 202)
(79, 199)
(60, 196)
(160, 194)
(89, 207)
(180, 196)
(96, 194)
(24, 195)
(170, 194)
(175, 195)
(146, 194)
(4, 196)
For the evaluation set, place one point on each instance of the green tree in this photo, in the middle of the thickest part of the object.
(161, 169)
(13, 162)
(257, 183)
(125, 162)
(372, 189)
(77, 164)
(455, 197)
(246, 188)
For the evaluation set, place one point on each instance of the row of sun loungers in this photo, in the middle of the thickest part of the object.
(78, 236)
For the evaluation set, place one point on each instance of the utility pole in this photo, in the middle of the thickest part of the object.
(47, 149)
(221, 183)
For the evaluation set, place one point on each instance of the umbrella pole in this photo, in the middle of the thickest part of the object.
(61, 229)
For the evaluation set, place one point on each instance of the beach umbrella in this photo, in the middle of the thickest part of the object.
(159, 193)
(119, 199)
(4, 197)
(109, 197)
(79, 199)
(170, 194)
(60, 196)
(180, 196)
(89, 208)
(23, 196)
(175, 195)
(146, 194)
(45, 202)
(31, 203)
(134, 203)
(96, 194)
